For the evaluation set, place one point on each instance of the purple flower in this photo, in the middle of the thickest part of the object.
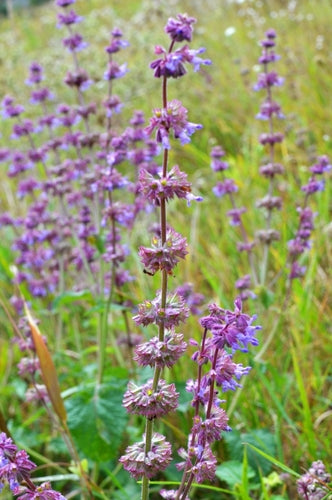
(174, 118)
(35, 74)
(180, 29)
(155, 189)
(172, 63)
(161, 353)
(164, 255)
(192, 299)
(41, 95)
(268, 109)
(200, 461)
(224, 187)
(139, 464)
(112, 105)
(64, 3)
(313, 485)
(174, 312)
(209, 430)
(231, 329)
(9, 109)
(266, 80)
(68, 18)
(323, 165)
(149, 402)
(216, 164)
(42, 492)
(313, 186)
(235, 215)
(115, 71)
(78, 79)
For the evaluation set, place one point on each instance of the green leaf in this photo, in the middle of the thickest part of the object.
(260, 438)
(231, 472)
(68, 298)
(97, 419)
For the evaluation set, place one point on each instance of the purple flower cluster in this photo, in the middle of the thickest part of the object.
(269, 111)
(301, 241)
(68, 170)
(15, 471)
(167, 310)
(229, 332)
(313, 484)
(228, 187)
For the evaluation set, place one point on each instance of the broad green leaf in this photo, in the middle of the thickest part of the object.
(97, 419)
(260, 438)
(231, 472)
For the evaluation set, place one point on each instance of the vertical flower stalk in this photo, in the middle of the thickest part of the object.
(227, 186)
(301, 241)
(167, 310)
(225, 332)
(269, 111)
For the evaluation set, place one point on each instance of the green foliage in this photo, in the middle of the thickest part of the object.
(97, 419)
(260, 438)
(284, 404)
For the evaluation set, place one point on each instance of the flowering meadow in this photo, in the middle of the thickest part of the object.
(165, 252)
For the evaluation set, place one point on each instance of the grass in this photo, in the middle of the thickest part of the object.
(288, 391)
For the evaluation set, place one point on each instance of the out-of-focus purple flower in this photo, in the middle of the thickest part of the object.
(79, 79)
(115, 71)
(68, 18)
(323, 165)
(217, 164)
(19, 164)
(74, 42)
(266, 80)
(116, 43)
(271, 169)
(268, 109)
(139, 464)
(35, 74)
(313, 484)
(41, 95)
(313, 186)
(193, 299)
(37, 393)
(235, 215)
(113, 105)
(224, 187)
(271, 139)
(10, 109)
(27, 186)
(181, 28)
(64, 3)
